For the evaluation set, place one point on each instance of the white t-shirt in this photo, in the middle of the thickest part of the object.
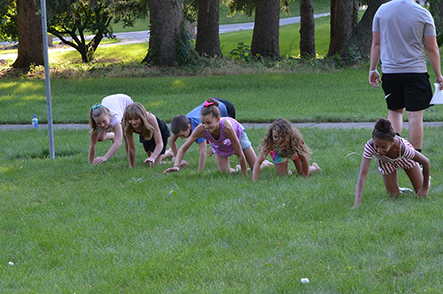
(402, 24)
(116, 104)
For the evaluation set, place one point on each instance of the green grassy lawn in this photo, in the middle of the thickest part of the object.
(338, 96)
(69, 227)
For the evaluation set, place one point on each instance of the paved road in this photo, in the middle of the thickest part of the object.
(143, 36)
(356, 125)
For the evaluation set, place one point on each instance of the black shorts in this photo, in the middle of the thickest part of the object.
(229, 107)
(150, 145)
(407, 90)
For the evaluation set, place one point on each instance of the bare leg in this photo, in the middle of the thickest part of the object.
(168, 153)
(282, 169)
(396, 119)
(223, 164)
(391, 184)
(250, 156)
(312, 169)
(415, 119)
(416, 177)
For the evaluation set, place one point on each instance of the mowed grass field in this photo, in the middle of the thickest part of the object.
(70, 227)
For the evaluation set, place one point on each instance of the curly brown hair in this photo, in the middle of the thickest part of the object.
(294, 140)
(383, 130)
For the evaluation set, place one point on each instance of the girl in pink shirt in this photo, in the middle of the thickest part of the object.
(226, 136)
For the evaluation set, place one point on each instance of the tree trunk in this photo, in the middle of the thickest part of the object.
(208, 41)
(344, 15)
(358, 46)
(29, 25)
(436, 9)
(166, 17)
(307, 29)
(266, 28)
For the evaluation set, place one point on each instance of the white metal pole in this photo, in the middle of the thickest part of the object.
(47, 79)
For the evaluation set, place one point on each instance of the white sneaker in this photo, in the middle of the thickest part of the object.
(403, 190)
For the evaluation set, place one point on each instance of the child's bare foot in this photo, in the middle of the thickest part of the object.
(266, 163)
(316, 167)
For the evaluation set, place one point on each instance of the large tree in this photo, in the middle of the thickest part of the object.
(29, 28)
(358, 46)
(344, 16)
(307, 29)
(208, 40)
(168, 44)
(265, 37)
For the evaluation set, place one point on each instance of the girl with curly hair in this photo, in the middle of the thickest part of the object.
(284, 142)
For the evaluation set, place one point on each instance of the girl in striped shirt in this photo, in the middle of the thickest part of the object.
(391, 152)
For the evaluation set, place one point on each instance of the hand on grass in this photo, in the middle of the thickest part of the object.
(172, 169)
(356, 205)
(99, 160)
(422, 192)
(184, 163)
(149, 159)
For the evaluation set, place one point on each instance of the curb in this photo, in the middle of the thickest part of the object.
(326, 125)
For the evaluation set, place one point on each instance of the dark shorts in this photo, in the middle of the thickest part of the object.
(150, 145)
(407, 90)
(229, 107)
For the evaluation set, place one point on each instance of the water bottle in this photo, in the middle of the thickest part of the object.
(35, 122)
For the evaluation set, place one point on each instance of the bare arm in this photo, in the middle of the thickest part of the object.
(157, 138)
(374, 76)
(118, 140)
(364, 168)
(256, 170)
(304, 166)
(426, 163)
(198, 132)
(434, 58)
(92, 144)
(131, 149)
(202, 158)
(172, 144)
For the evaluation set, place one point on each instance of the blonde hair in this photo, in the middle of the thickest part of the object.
(137, 110)
(294, 142)
(97, 110)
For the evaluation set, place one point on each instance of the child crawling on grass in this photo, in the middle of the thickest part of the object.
(284, 142)
(105, 119)
(391, 152)
(153, 133)
(226, 136)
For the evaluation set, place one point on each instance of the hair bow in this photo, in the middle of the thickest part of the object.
(97, 106)
(208, 103)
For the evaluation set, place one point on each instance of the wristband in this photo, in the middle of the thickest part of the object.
(372, 71)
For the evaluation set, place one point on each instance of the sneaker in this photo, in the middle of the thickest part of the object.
(403, 190)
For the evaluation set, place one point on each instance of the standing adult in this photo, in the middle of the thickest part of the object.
(399, 28)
